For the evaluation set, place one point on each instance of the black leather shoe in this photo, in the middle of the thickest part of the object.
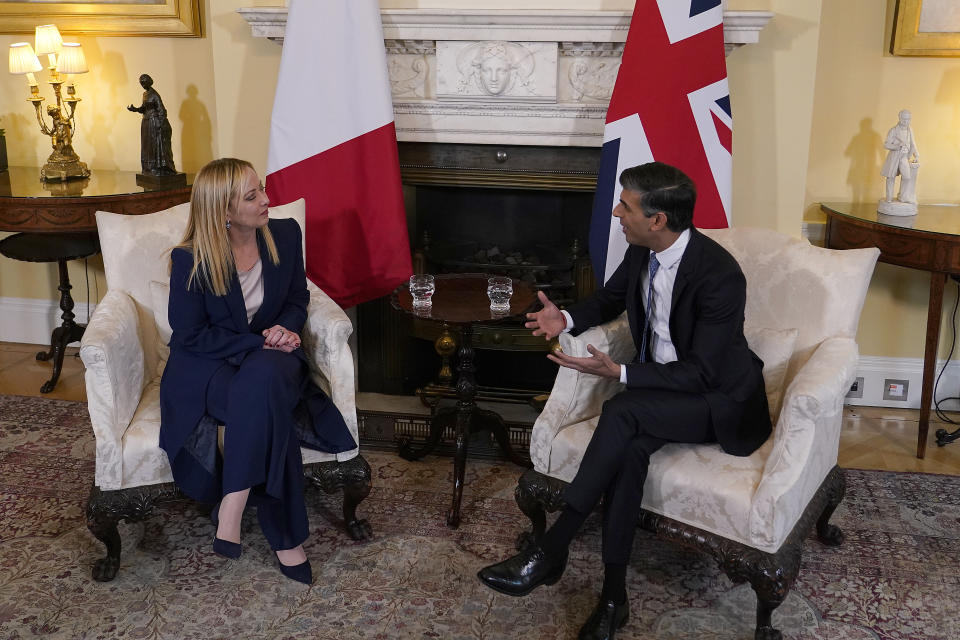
(606, 618)
(524, 572)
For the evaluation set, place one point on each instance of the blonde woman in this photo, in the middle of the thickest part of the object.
(238, 302)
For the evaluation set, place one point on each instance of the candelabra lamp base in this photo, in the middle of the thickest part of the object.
(166, 181)
(60, 170)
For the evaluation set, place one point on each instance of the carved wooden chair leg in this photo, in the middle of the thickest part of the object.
(102, 522)
(765, 607)
(353, 476)
(105, 509)
(535, 495)
(827, 533)
(355, 489)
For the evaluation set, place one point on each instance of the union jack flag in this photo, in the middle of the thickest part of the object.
(670, 103)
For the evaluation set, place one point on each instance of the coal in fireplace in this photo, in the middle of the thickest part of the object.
(521, 211)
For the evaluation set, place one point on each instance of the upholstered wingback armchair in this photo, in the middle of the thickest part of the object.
(751, 513)
(124, 350)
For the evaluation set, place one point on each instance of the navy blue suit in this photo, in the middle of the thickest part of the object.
(713, 391)
(219, 373)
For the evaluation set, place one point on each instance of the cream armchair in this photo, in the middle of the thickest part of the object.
(124, 351)
(751, 513)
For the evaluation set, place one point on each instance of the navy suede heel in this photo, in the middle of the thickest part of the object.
(299, 572)
(227, 549)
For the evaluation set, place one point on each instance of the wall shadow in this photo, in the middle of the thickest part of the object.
(196, 132)
(103, 155)
(866, 153)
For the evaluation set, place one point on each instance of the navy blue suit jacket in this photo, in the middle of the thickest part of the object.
(706, 327)
(209, 330)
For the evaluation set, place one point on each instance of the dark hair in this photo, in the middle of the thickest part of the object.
(663, 188)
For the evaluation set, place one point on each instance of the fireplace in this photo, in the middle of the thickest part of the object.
(505, 158)
(522, 211)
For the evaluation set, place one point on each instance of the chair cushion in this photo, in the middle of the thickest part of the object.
(697, 484)
(160, 297)
(791, 283)
(774, 347)
(298, 211)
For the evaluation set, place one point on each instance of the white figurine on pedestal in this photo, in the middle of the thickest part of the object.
(903, 159)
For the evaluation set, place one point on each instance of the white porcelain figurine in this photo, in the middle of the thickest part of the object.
(903, 159)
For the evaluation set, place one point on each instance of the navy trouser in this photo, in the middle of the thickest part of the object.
(633, 425)
(261, 449)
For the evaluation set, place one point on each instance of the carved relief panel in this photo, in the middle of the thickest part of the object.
(496, 70)
(412, 68)
(588, 71)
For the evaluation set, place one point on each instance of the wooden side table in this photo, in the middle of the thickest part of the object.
(29, 204)
(461, 300)
(59, 248)
(54, 222)
(929, 241)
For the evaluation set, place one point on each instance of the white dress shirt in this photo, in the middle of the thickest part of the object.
(661, 346)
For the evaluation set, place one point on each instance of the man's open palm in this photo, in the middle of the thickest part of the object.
(548, 322)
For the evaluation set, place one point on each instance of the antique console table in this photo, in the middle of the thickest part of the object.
(930, 241)
(28, 204)
(461, 300)
(54, 222)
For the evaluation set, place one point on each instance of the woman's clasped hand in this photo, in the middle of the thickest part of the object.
(276, 337)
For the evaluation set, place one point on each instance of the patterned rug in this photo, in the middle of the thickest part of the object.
(895, 577)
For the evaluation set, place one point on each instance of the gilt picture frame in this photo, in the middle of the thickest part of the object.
(926, 28)
(167, 18)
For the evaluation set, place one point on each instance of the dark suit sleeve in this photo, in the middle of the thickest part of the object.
(293, 315)
(608, 302)
(192, 329)
(718, 319)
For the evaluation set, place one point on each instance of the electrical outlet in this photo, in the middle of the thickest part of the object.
(856, 389)
(895, 389)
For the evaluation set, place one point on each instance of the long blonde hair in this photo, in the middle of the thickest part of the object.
(216, 186)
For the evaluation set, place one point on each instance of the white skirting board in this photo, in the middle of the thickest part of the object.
(875, 371)
(31, 320)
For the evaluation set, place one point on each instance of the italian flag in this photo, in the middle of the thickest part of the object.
(333, 143)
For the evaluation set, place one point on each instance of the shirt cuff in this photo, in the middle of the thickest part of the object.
(569, 320)
(623, 373)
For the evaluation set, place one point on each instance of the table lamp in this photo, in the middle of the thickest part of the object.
(65, 58)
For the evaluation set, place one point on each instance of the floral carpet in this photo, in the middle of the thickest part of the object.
(897, 576)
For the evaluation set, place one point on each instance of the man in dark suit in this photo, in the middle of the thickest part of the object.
(694, 380)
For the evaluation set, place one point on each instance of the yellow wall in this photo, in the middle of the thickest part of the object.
(108, 136)
(860, 87)
(799, 95)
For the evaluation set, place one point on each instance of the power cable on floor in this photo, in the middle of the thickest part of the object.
(953, 341)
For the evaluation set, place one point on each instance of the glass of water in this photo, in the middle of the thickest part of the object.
(422, 287)
(499, 290)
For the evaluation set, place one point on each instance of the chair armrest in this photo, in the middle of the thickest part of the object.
(113, 357)
(325, 336)
(806, 439)
(577, 396)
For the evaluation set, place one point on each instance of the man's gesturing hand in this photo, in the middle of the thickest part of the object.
(599, 364)
(548, 322)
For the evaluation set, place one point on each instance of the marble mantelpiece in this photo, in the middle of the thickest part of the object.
(504, 76)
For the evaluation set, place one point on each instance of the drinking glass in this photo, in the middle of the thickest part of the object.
(422, 288)
(499, 290)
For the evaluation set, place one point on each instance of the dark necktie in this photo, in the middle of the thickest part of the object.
(654, 265)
